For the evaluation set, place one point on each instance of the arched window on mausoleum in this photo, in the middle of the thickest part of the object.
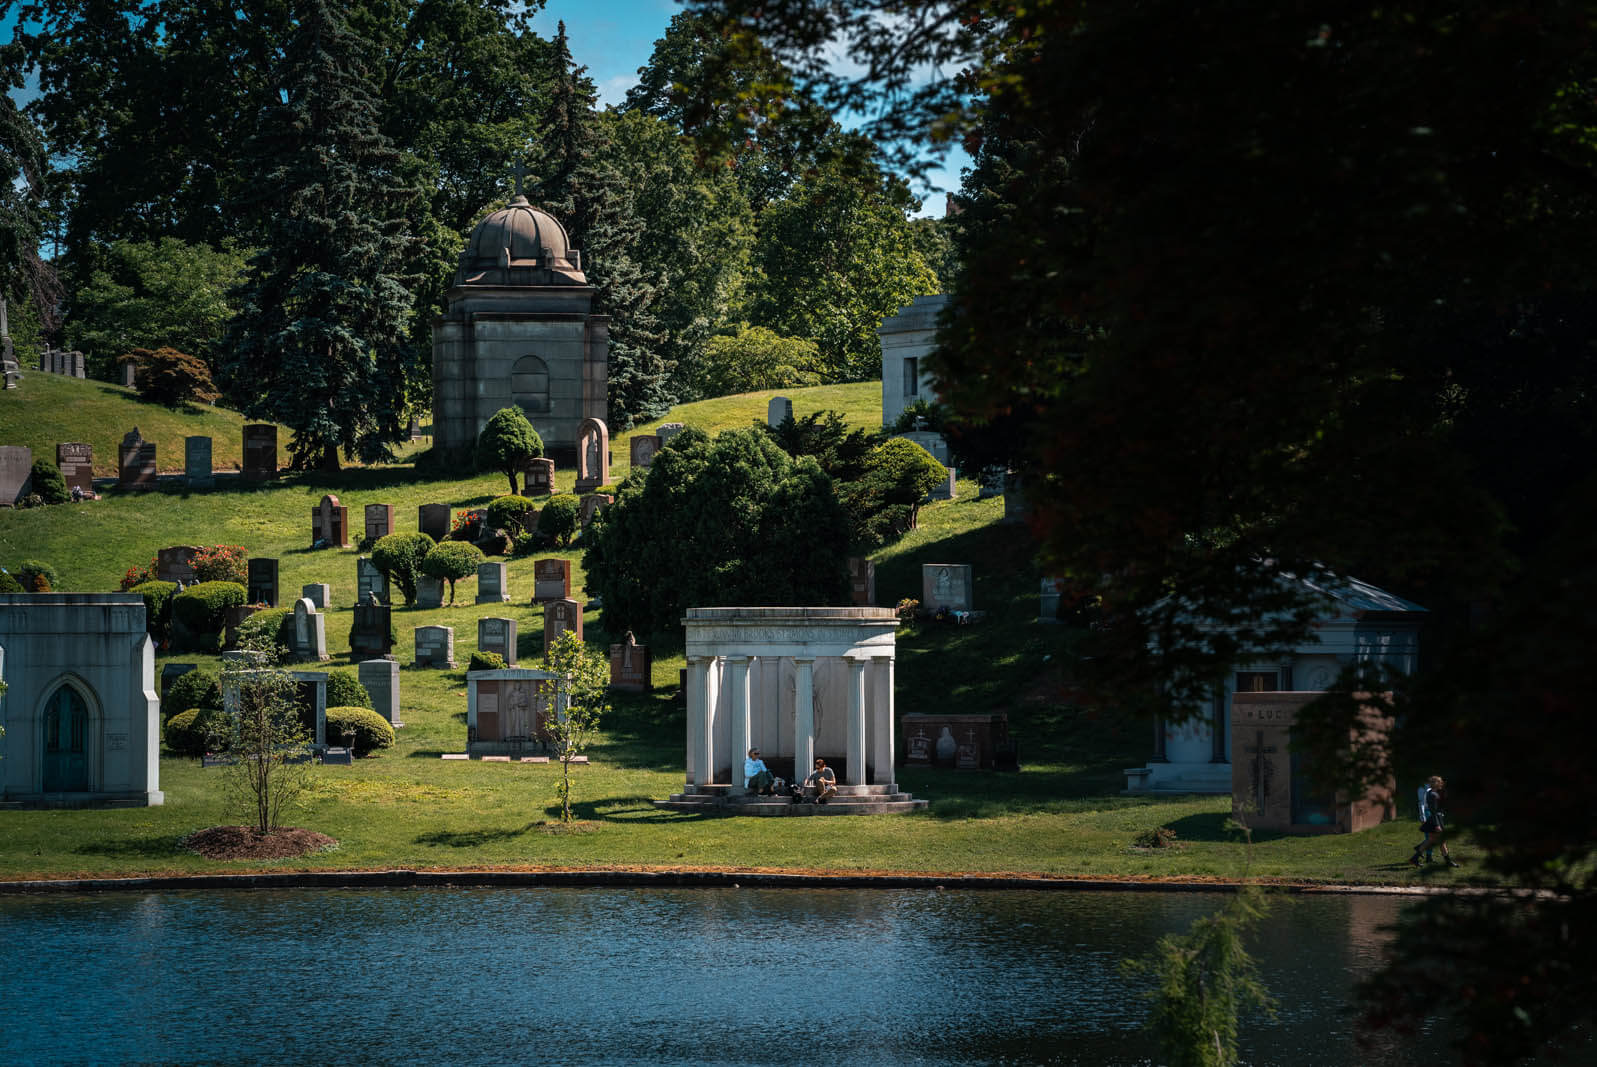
(529, 385)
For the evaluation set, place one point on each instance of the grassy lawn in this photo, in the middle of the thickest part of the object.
(1061, 815)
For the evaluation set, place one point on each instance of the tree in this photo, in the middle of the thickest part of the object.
(320, 342)
(263, 734)
(755, 358)
(399, 556)
(558, 519)
(506, 443)
(452, 561)
(583, 675)
(884, 503)
(167, 376)
(22, 188)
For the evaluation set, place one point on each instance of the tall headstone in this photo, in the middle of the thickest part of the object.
(778, 411)
(990, 483)
(435, 646)
(644, 446)
(946, 585)
(369, 580)
(429, 592)
(948, 488)
(861, 582)
(16, 473)
(176, 563)
(130, 373)
(551, 580)
(1048, 601)
(558, 617)
(330, 523)
(79, 367)
(538, 477)
(318, 593)
(380, 677)
(76, 461)
(136, 462)
(668, 430)
(630, 666)
(1014, 499)
(492, 584)
(260, 451)
(498, 635)
(593, 455)
(9, 366)
(592, 504)
(310, 631)
(414, 429)
(197, 463)
(379, 521)
(262, 583)
(433, 520)
(370, 636)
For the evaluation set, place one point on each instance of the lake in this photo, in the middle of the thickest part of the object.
(623, 976)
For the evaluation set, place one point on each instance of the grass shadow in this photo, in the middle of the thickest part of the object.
(472, 838)
(149, 847)
(1211, 826)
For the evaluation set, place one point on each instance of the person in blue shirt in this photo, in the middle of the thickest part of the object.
(757, 776)
(1433, 816)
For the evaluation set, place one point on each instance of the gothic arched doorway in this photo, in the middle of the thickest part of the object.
(66, 742)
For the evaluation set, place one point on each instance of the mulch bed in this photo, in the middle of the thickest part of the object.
(244, 843)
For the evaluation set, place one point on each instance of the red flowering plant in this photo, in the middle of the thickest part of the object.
(139, 575)
(221, 563)
(467, 525)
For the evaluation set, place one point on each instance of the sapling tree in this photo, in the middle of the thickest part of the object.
(452, 561)
(262, 733)
(583, 677)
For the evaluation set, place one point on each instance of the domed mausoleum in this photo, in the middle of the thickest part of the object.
(519, 329)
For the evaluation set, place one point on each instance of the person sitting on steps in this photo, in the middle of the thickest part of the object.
(823, 780)
(757, 775)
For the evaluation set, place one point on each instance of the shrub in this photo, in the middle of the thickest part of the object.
(452, 561)
(157, 606)
(275, 623)
(559, 519)
(399, 556)
(843, 454)
(758, 358)
(188, 733)
(1160, 837)
(37, 576)
(486, 661)
(884, 504)
(506, 443)
(9, 584)
(221, 563)
(908, 609)
(371, 730)
(510, 513)
(49, 483)
(345, 691)
(167, 376)
(199, 608)
(196, 689)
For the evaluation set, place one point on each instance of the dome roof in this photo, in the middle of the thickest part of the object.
(520, 245)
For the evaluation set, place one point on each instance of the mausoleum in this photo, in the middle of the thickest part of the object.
(907, 339)
(519, 330)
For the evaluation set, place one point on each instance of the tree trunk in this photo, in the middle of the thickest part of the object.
(329, 461)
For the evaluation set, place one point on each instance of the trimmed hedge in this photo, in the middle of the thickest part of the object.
(188, 732)
(399, 556)
(157, 606)
(49, 483)
(196, 689)
(486, 661)
(345, 691)
(371, 729)
(558, 519)
(199, 609)
(276, 622)
(507, 513)
(452, 561)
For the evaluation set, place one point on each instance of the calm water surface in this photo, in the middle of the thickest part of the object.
(705, 976)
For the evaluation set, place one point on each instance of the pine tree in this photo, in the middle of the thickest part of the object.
(578, 186)
(320, 342)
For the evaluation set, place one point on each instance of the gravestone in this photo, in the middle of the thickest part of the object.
(318, 593)
(947, 489)
(369, 636)
(310, 693)
(551, 580)
(176, 564)
(1048, 601)
(79, 368)
(644, 446)
(593, 455)
(130, 374)
(935, 443)
(507, 710)
(171, 672)
(946, 585)
(16, 473)
(310, 632)
(630, 666)
(861, 582)
(369, 580)
(435, 646)
(232, 619)
(330, 523)
(136, 462)
(414, 429)
(1273, 788)
(668, 430)
(429, 592)
(433, 520)
(558, 617)
(1014, 499)
(380, 677)
(492, 587)
(262, 582)
(538, 477)
(76, 461)
(498, 635)
(990, 483)
(960, 742)
(379, 521)
(592, 504)
(778, 411)
(197, 463)
(260, 451)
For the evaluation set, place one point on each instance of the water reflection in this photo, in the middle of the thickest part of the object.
(720, 976)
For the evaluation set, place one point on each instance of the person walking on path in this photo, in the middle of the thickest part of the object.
(1433, 815)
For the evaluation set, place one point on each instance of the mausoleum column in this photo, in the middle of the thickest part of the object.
(740, 716)
(701, 765)
(856, 722)
(803, 718)
(882, 751)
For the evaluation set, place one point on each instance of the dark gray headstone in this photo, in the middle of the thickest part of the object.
(16, 469)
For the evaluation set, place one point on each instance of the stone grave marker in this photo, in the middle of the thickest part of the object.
(369, 636)
(1048, 601)
(948, 488)
(369, 580)
(76, 461)
(171, 672)
(136, 462)
(946, 585)
(310, 691)
(498, 635)
(130, 374)
(79, 368)
(551, 580)
(176, 564)
(506, 711)
(668, 430)
(414, 429)
(644, 446)
(1014, 499)
(630, 665)
(197, 463)
(262, 582)
(310, 631)
(558, 617)
(435, 646)
(379, 521)
(318, 593)
(380, 677)
(16, 473)
(961, 742)
(429, 592)
(592, 504)
(538, 477)
(935, 443)
(232, 619)
(260, 451)
(330, 523)
(492, 583)
(433, 520)
(1277, 791)
(593, 455)
(990, 483)
(778, 411)
(861, 582)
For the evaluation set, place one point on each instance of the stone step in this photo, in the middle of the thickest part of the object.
(721, 790)
(778, 808)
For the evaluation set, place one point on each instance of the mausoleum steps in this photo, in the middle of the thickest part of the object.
(883, 799)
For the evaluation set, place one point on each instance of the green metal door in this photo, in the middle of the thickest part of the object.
(66, 728)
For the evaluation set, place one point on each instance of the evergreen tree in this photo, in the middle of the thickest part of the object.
(22, 184)
(583, 189)
(319, 343)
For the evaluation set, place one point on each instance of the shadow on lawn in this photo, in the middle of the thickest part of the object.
(1212, 826)
(150, 846)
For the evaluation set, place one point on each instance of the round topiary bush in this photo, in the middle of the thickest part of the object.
(199, 610)
(486, 661)
(345, 691)
(558, 519)
(196, 689)
(9, 584)
(510, 513)
(276, 624)
(188, 733)
(157, 606)
(49, 483)
(37, 576)
(506, 443)
(452, 561)
(372, 731)
(399, 556)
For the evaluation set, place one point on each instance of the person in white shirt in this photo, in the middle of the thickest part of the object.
(757, 775)
(824, 782)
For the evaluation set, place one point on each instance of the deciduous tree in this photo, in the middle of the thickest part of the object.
(582, 678)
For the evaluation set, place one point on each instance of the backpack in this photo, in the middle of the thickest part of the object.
(1425, 790)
